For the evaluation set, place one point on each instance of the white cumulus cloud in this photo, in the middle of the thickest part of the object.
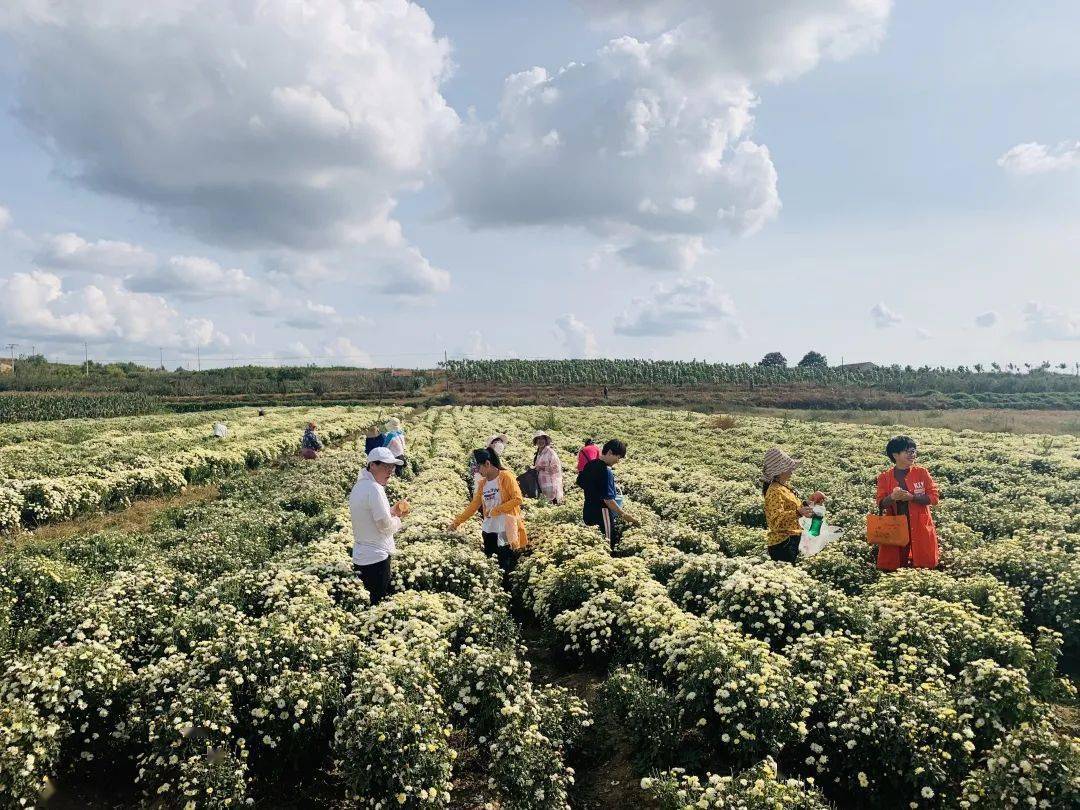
(986, 319)
(670, 252)
(311, 315)
(650, 139)
(1049, 322)
(1037, 158)
(271, 125)
(407, 274)
(685, 305)
(194, 278)
(771, 41)
(36, 305)
(5, 218)
(73, 253)
(576, 338)
(884, 317)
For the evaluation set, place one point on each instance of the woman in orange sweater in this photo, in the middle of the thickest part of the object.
(907, 489)
(499, 501)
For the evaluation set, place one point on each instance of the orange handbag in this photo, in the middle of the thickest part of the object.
(887, 530)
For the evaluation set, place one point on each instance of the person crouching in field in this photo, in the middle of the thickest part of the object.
(603, 507)
(311, 444)
(375, 522)
(907, 489)
(783, 506)
(499, 500)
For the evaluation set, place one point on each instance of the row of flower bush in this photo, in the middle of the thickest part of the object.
(231, 652)
(57, 470)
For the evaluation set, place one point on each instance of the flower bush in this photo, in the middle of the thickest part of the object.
(983, 594)
(1033, 766)
(758, 788)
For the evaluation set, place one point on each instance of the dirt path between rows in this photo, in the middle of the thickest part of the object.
(133, 519)
(609, 782)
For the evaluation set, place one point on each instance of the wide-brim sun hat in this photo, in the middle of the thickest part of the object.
(498, 437)
(777, 462)
(541, 434)
(383, 455)
(393, 423)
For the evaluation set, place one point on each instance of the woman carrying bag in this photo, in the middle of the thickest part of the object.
(548, 468)
(783, 506)
(499, 500)
(908, 490)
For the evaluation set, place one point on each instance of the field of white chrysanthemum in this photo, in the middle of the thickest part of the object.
(228, 656)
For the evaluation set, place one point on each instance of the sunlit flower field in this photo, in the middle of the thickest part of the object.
(228, 656)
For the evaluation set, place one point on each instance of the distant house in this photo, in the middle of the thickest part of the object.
(858, 367)
(6, 368)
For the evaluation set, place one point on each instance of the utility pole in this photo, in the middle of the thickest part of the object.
(446, 368)
(161, 358)
(12, 347)
(198, 360)
(86, 358)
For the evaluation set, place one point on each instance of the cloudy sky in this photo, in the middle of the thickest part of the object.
(380, 182)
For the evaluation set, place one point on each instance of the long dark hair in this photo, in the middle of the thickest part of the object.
(480, 455)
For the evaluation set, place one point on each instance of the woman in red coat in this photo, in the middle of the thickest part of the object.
(908, 489)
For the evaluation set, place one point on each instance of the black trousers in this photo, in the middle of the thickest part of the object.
(786, 550)
(505, 555)
(607, 524)
(400, 469)
(376, 579)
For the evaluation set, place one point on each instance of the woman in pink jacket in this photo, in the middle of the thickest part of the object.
(548, 467)
(587, 453)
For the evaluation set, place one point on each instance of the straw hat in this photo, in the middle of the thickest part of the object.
(540, 434)
(392, 423)
(498, 437)
(777, 462)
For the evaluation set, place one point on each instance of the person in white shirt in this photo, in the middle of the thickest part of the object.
(375, 522)
(394, 441)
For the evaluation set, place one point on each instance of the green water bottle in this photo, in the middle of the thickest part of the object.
(816, 521)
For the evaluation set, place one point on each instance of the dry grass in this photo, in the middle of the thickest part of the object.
(985, 420)
(132, 520)
(722, 422)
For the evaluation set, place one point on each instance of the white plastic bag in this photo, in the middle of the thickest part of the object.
(809, 545)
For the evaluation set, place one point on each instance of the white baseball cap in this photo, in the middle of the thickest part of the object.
(384, 455)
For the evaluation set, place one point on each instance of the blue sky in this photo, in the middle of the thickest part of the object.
(384, 193)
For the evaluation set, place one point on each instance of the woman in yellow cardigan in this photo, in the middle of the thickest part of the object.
(499, 500)
(783, 506)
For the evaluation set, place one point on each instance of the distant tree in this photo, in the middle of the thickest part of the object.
(774, 359)
(812, 358)
(978, 368)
